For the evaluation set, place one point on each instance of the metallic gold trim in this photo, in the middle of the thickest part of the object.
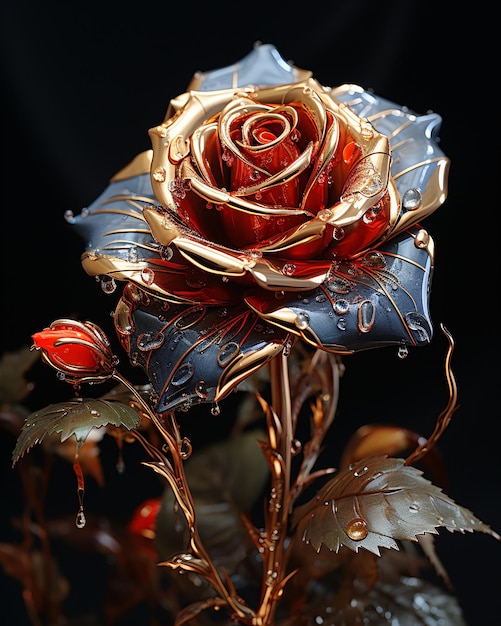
(272, 278)
(433, 196)
(211, 258)
(285, 318)
(243, 366)
(163, 229)
(130, 272)
(220, 196)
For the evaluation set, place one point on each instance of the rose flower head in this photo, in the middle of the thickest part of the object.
(77, 350)
(270, 209)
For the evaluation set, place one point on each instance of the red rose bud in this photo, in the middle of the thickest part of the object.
(76, 349)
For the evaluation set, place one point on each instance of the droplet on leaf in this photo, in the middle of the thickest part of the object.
(357, 529)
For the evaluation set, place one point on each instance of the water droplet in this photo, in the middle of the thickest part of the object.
(302, 320)
(289, 269)
(414, 508)
(370, 215)
(183, 374)
(287, 348)
(338, 233)
(108, 284)
(227, 353)
(339, 285)
(162, 131)
(159, 175)
(341, 306)
(403, 350)
(419, 325)
(366, 129)
(69, 216)
(360, 472)
(357, 529)
(215, 409)
(342, 324)
(227, 157)
(366, 316)
(412, 199)
(147, 276)
(195, 278)
(150, 341)
(132, 255)
(166, 253)
(201, 389)
(375, 259)
(324, 215)
(80, 520)
(175, 338)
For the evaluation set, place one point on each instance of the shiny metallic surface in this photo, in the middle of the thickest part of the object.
(194, 354)
(228, 258)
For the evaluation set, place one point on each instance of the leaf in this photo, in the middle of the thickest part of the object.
(225, 480)
(13, 385)
(406, 601)
(376, 502)
(412, 601)
(73, 417)
(379, 439)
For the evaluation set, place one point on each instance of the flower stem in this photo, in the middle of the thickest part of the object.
(175, 476)
(274, 560)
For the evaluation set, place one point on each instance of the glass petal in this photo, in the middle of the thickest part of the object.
(380, 299)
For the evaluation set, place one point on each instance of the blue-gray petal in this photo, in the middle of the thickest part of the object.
(193, 353)
(380, 300)
(416, 154)
(113, 225)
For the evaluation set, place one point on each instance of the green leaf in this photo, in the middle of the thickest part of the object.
(73, 417)
(225, 479)
(376, 502)
(13, 385)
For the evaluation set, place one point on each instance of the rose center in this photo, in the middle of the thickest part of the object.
(268, 133)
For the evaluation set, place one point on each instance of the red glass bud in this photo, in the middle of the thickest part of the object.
(76, 349)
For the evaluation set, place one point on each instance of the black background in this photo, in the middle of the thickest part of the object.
(83, 82)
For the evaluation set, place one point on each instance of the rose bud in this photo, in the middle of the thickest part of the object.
(76, 349)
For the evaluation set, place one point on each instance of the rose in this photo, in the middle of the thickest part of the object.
(79, 351)
(279, 211)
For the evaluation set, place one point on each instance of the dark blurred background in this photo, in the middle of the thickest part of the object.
(82, 84)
